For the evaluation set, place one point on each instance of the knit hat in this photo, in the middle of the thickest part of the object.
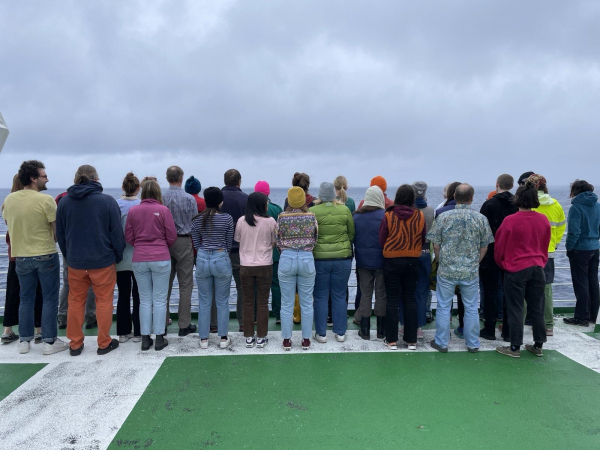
(379, 181)
(213, 197)
(296, 197)
(491, 194)
(262, 187)
(192, 185)
(326, 192)
(524, 176)
(374, 197)
(537, 180)
(420, 188)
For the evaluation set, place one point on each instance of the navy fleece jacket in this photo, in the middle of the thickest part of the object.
(88, 227)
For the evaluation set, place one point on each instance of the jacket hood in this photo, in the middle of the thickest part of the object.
(586, 198)
(504, 197)
(545, 199)
(402, 212)
(84, 189)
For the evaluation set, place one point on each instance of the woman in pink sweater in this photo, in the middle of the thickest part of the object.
(151, 231)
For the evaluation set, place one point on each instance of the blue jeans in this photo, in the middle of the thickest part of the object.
(213, 274)
(331, 281)
(46, 268)
(445, 295)
(153, 285)
(296, 269)
(422, 292)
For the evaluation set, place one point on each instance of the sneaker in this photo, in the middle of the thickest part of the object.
(411, 346)
(137, 338)
(390, 345)
(76, 352)
(123, 339)
(437, 347)
(508, 352)
(574, 321)
(472, 349)
(261, 342)
(319, 338)
(113, 345)
(305, 344)
(340, 337)
(420, 333)
(58, 346)
(428, 317)
(250, 341)
(203, 344)
(8, 338)
(549, 331)
(287, 344)
(225, 343)
(214, 330)
(535, 350)
(23, 347)
(458, 331)
(191, 328)
(89, 326)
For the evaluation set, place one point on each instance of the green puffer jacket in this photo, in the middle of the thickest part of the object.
(336, 231)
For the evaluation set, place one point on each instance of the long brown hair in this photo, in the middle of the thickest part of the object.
(151, 190)
(17, 185)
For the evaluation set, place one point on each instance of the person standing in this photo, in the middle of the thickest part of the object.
(183, 208)
(31, 219)
(234, 204)
(193, 187)
(460, 239)
(151, 231)
(333, 262)
(341, 186)
(583, 232)
(521, 250)
(296, 236)
(90, 236)
(382, 184)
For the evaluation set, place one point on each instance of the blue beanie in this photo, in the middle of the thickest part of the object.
(192, 185)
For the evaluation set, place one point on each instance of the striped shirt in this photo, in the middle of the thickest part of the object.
(183, 208)
(218, 235)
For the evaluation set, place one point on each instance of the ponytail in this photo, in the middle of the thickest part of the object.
(341, 185)
(85, 173)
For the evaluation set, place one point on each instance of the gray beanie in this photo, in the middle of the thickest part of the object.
(326, 192)
(374, 197)
(420, 188)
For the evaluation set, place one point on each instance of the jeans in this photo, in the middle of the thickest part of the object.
(128, 288)
(46, 269)
(13, 300)
(527, 284)
(331, 281)
(400, 276)
(422, 292)
(296, 269)
(445, 294)
(153, 284)
(256, 285)
(584, 272)
(213, 275)
(63, 302)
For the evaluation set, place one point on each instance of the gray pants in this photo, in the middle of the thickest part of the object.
(63, 302)
(182, 265)
(235, 266)
(371, 279)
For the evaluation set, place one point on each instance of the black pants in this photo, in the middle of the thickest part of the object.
(400, 278)
(11, 306)
(584, 272)
(461, 309)
(358, 293)
(490, 278)
(528, 285)
(127, 286)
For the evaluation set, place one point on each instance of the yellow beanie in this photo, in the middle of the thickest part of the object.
(296, 197)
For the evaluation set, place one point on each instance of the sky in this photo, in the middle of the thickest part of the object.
(431, 90)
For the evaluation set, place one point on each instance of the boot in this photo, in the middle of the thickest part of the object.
(380, 327)
(365, 328)
(146, 342)
(161, 342)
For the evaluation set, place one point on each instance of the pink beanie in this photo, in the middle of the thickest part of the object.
(262, 187)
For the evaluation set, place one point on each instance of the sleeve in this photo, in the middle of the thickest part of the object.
(383, 231)
(116, 230)
(273, 226)
(196, 236)
(192, 207)
(229, 234)
(50, 209)
(60, 230)
(486, 233)
(435, 234)
(278, 235)
(170, 230)
(130, 229)
(573, 227)
(350, 225)
(500, 245)
(237, 235)
(558, 231)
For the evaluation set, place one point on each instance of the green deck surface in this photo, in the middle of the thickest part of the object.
(14, 375)
(367, 400)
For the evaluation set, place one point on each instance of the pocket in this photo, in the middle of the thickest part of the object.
(47, 263)
(285, 264)
(308, 266)
(222, 266)
(163, 266)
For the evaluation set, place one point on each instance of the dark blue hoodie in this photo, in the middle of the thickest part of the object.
(583, 223)
(88, 227)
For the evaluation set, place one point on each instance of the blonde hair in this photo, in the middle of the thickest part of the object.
(341, 185)
(85, 173)
(151, 190)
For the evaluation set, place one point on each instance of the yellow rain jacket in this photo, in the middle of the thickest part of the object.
(556, 216)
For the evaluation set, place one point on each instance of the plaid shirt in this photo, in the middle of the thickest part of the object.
(183, 208)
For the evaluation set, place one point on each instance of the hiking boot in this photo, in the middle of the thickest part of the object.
(508, 352)
(23, 347)
(380, 327)
(287, 344)
(191, 328)
(574, 321)
(535, 350)
(109, 348)
(319, 338)
(261, 342)
(365, 328)
(146, 342)
(438, 348)
(250, 341)
(8, 338)
(76, 352)
(305, 344)
(161, 343)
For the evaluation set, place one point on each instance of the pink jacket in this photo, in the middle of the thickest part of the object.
(151, 230)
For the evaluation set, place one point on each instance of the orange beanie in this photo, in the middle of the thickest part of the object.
(379, 181)
(491, 194)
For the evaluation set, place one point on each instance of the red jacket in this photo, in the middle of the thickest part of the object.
(200, 202)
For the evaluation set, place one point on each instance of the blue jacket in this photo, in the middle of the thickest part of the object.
(369, 254)
(235, 202)
(88, 227)
(583, 223)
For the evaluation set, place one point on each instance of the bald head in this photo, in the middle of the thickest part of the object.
(464, 194)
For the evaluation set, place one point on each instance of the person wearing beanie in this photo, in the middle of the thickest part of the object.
(369, 262)
(212, 235)
(273, 211)
(333, 262)
(193, 187)
(382, 184)
(296, 236)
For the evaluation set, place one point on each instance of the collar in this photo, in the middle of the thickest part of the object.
(462, 207)
(179, 188)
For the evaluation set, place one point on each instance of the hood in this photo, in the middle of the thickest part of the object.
(505, 197)
(586, 198)
(402, 212)
(545, 199)
(84, 189)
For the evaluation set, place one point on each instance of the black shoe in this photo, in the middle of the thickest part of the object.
(437, 347)
(380, 327)
(89, 326)
(147, 342)
(189, 329)
(8, 338)
(62, 326)
(489, 337)
(365, 328)
(574, 321)
(214, 330)
(76, 352)
(113, 344)
(428, 317)
(161, 343)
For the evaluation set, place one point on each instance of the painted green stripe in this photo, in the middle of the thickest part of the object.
(14, 375)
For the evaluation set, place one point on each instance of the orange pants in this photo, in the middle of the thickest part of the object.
(103, 284)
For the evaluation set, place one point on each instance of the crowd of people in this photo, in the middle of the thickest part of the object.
(500, 259)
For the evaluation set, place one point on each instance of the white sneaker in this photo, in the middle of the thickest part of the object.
(203, 344)
(23, 347)
(261, 342)
(412, 346)
(340, 337)
(137, 339)
(250, 342)
(123, 339)
(58, 346)
(224, 344)
(320, 339)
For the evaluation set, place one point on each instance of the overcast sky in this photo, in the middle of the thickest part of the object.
(432, 90)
